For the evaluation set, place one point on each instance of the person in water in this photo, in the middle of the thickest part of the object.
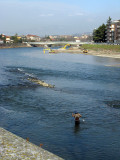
(77, 116)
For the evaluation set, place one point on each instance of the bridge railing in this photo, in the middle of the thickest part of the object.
(57, 42)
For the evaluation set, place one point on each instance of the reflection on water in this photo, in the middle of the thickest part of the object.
(82, 83)
(106, 60)
(77, 128)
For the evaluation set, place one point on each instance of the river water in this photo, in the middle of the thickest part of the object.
(88, 84)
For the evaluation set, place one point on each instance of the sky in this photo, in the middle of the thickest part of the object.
(55, 17)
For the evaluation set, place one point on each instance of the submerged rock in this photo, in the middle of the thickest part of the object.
(40, 82)
(114, 104)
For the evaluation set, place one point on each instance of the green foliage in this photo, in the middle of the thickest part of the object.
(62, 39)
(15, 39)
(47, 37)
(109, 21)
(99, 34)
(97, 47)
(3, 38)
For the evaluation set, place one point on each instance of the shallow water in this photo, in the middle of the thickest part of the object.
(82, 82)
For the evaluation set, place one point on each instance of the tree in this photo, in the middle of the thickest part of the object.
(109, 21)
(99, 34)
(102, 30)
(3, 38)
(15, 39)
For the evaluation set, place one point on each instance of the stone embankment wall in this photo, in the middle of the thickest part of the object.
(14, 45)
(13, 147)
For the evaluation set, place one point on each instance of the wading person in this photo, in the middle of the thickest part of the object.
(76, 116)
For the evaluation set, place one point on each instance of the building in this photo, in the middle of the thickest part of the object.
(77, 39)
(113, 32)
(19, 37)
(33, 38)
(8, 40)
(3, 35)
(85, 38)
(53, 37)
(1, 41)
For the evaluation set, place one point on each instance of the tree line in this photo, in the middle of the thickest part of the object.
(99, 34)
(14, 38)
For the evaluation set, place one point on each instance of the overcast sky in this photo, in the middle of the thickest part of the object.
(54, 17)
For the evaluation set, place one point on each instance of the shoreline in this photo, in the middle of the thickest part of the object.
(100, 53)
(14, 147)
(104, 53)
(19, 45)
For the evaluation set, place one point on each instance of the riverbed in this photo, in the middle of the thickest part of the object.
(86, 83)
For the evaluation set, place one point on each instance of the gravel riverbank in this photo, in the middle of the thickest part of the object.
(102, 53)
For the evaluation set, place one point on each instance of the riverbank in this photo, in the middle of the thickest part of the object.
(112, 51)
(103, 50)
(102, 47)
(104, 53)
(14, 147)
(14, 45)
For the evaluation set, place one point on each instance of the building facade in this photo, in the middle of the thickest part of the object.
(8, 40)
(113, 32)
(33, 37)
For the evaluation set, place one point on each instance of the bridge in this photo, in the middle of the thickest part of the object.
(48, 43)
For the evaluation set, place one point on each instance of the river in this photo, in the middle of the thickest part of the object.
(88, 84)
